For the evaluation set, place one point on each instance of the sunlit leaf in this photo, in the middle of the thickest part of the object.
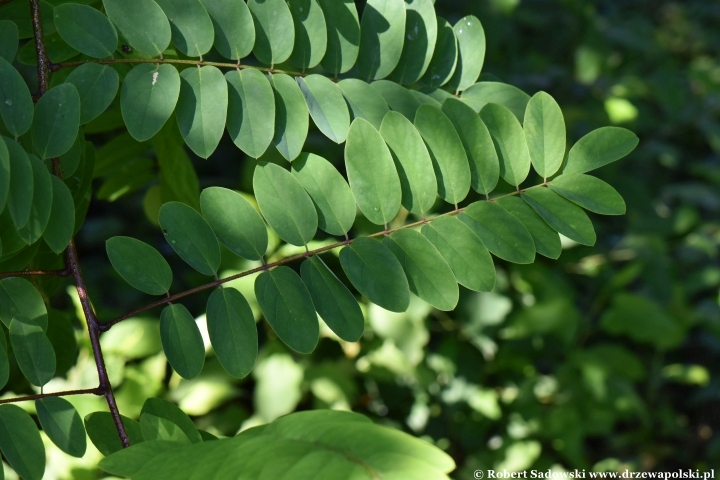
(274, 30)
(600, 147)
(326, 105)
(482, 93)
(310, 33)
(382, 32)
(589, 192)
(291, 116)
(233, 25)
(397, 97)
(547, 241)
(142, 23)
(343, 35)
(544, 128)
(470, 36)
(148, 97)
(97, 86)
(445, 57)
(364, 101)
(192, 30)
(419, 45)
(503, 234)
(509, 139)
(561, 214)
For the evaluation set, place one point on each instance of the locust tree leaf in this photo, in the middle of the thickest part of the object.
(20, 442)
(470, 35)
(600, 147)
(148, 97)
(547, 240)
(232, 331)
(343, 35)
(561, 214)
(419, 45)
(85, 29)
(398, 97)
(19, 298)
(251, 111)
(33, 351)
(190, 236)
(234, 27)
(103, 434)
(382, 33)
(482, 93)
(202, 107)
(16, 107)
(140, 265)
(509, 139)
(445, 56)
(162, 420)
(326, 105)
(291, 116)
(20, 193)
(97, 86)
(310, 33)
(62, 424)
(503, 234)
(41, 203)
(182, 341)
(192, 30)
(56, 121)
(544, 128)
(274, 30)
(364, 101)
(142, 23)
(589, 192)
(9, 37)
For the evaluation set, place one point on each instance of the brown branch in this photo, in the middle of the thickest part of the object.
(30, 273)
(66, 393)
(42, 58)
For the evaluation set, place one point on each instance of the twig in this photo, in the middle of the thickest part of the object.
(30, 273)
(66, 393)
(42, 58)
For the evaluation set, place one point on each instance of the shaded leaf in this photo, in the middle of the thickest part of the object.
(291, 116)
(509, 139)
(382, 32)
(445, 57)
(56, 122)
(148, 97)
(600, 147)
(326, 106)
(503, 234)
(251, 111)
(365, 102)
(547, 241)
(62, 424)
(589, 192)
(310, 33)
(274, 30)
(59, 227)
(470, 36)
(9, 37)
(419, 44)
(16, 107)
(234, 27)
(162, 420)
(562, 215)
(482, 93)
(4, 175)
(232, 331)
(343, 35)
(85, 29)
(33, 351)
(4, 362)
(126, 462)
(140, 265)
(190, 236)
(41, 203)
(20, 442)
(103, 434)
(181, 341)
(398, 97)
(19, 298)
(20, 193)
(142, 23)
(192, 30)
(97, 86)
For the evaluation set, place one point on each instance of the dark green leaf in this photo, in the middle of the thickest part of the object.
(503, 234)
(103, 434)
(600, 147)
(86, 29)
(190, 236)
(420, 37)
(182, 341)
(291, 116)
(70, 160)
(19, 13)
(562, 215)
(162, 420)
(544, 128)
(127, 461)
(547, 241)
(310, 33)
(326, 106)
(142, 23)
(16, 105)
(375, 272)
(382, 33)
(365, 102)
(9, 37)
(57, 51)
(4, 361)
(202, 108)
(61, 334)
(19, 298)
(343, 35)
(140, 265)
(178, 180)
(234, 27)
(41, 203)
(4, 175)
(470, 36)
(148, 98)
(509, 139)
(482, 93)
(591, 193)
(288, 307)
(251, 111)
(274, 30)
(62, 424)
(56, 122)
(232, 331)
(33, 351)
(19, 200)
(192, 30)
(97, 85)
(445, 57)
(20, 443)
(398, 97)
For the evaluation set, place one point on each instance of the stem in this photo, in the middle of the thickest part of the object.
(66, 393)
(42, 59)
(28, 273)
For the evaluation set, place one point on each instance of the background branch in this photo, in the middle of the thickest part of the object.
(65, 393)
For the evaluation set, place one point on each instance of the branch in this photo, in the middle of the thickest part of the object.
(66, 393)
(42, 58)
(29, 273)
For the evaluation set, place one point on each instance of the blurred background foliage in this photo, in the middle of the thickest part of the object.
(605, 359)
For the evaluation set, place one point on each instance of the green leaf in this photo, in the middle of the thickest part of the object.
(428, 274)
(589, 192)
(398, 97)
(343, 35)
(371, 172)
(547, 241)
(16, 105)
(9, 37)
(4, 175)
(33, 351)
(274, 30)
(232, 331)
(470, 36)
(56, 48)
(140, 265)
(202, 108)
(70, 160)
(178, 180)
(291, 116)
(446, 150)
(420, 37)
(181, 341)
(501, 233)
(482, 93)
(19, 13)
(190, 236)
(600, 147)
(376, 273)
(310, 33)
(334, 302)
(19, 298)
(41, 203)
(329, 192)
(85, 29)
(19, 200)
(234, 27)
(162, 420)
(4, 362)
(235, 221)
(61, 334)
(382, 33)
(103, 434)
(466, 255)
(192, 30)
(97, 86)
(142, 23)
(544, 128)
(509, 139)
(251, 110)
(425, 99)
(364, 100)
(55, 125)
(20, 443)
(326, 106)
(128, 461)
(445, 57)
(412, 161)
(287, 208)
(62, 424)
(288, 307)
(562, 215)
(148, 97)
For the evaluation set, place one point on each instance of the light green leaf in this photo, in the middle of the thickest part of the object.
(181, 341)
(365, 101)
(19, 200)
(62, 424)
(544, 128)
(343, 35)
(412, 161)
(326, 106)
(501, 233)
(33, 351)
(291, 116)
(420, 36)
(16, 105)
(371, 172)
(329, 192)
(287, 208)
(140, 265)
(142, 23)
(20, 443)
(376, 273)
(382, 33)
(97, 85)
(547, 240)
(479, 147)
(103, 434)
(446, 150)
(234, 27)
(589, 192)
(310, 33)
(235, 221)
(232, 331)
(274, 30)
(600, 147)
(19, 298)
(333, 301)
(202, 108)
(41, 203)
(190, 236)
(445, 57)
(251, 111)
(148, 97)
(509, 139)
(85, 29)
(288, 307)
(162, 420)
(470, 36)
(9, 37)
(468, 258)
(398, 97)
(425, 99)
(428, 274)
(56, 122)
(127, 461)
(482, 93)
(562, 215)
(192, 30)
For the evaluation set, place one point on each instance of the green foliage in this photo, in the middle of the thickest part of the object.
(62, 423)
(20, 442)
